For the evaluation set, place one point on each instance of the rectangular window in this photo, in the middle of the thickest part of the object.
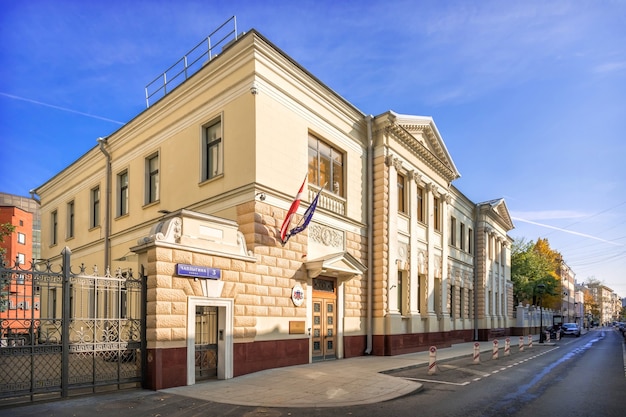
(212, 151)
(325, 166)
(436, 220)
(21, 258)
(54, 220)
(420, 204)
(152, 179)
(70, 219)
(462, 303)
(122, 193)
(462, 237)
(402, 299)
(21, 238)
(470, 240)
(94, 218)
(452, 302)
(452, 231)
(401, 194)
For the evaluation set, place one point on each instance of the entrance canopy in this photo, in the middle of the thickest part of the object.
(341, 265)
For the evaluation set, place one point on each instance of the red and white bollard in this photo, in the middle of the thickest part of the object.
(547, 337)
(507, 346)
(432, 361)
(476, 352)
(558, 334)
(494, 353)
(530, 340)
(521, 343)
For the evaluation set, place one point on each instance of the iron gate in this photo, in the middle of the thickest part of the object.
(65, 333)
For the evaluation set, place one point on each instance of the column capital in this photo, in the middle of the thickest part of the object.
(391, 160)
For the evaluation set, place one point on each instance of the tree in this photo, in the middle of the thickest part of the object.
(5, 230)
(533, 264)
(591, 306)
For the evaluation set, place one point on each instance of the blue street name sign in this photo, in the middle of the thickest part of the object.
(198, 271)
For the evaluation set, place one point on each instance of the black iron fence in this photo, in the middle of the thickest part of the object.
(64, 333)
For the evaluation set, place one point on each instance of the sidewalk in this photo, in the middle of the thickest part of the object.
(353, 381)
(327, 384)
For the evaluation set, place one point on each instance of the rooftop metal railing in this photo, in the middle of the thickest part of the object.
(192, 61)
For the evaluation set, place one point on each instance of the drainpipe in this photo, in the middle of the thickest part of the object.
(370, 240)
(107, 209)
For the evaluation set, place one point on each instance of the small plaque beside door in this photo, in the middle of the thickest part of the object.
(296, 327)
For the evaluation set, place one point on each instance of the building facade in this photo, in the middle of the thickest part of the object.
(18, 304)
(193, 192)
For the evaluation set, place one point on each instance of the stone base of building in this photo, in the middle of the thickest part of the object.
(165, 368)
(389, 345)
(258, 356)
(492, 334)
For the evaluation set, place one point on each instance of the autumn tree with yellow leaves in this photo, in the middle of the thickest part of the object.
(532, 264)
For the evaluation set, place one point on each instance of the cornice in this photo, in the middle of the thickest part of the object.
(420, 150)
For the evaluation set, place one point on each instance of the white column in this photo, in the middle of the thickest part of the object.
(430, 296)
(445, 250)
(414, 180)
(394, 165)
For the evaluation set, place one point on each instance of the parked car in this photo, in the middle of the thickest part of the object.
(571, 328)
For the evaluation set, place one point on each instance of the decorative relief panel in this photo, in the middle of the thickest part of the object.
(422, 264)
(326, 236)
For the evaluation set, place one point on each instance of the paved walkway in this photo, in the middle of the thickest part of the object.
(327, 384)
(354, 381)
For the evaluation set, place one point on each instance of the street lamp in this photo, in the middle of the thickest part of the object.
(540, 290)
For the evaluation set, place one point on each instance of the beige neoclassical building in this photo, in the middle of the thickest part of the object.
(193, 192)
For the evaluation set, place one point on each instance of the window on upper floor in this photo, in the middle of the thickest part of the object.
(326, 166)
(462, 237)
(94, 212)
(54, 224)
(70, 220)
(420, 204)
(21, 258)
(152, 179)
(21, 238)
(470, 240)
(436, 214)
(452, 231)
(402, 194)
(212, 150)
(122, 193)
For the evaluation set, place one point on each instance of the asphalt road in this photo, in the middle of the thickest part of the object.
(582, 376)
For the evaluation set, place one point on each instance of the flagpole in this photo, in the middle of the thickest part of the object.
(291, 212)
(306, 218)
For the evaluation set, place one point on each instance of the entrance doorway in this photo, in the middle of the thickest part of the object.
(205, 345)
(324, 336)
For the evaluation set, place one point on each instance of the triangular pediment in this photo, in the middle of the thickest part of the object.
(500, 211)
(341, 265)
(420, 134)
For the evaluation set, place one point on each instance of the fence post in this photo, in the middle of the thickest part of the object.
(65, 323)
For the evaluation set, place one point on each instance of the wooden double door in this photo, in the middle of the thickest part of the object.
(324, 335)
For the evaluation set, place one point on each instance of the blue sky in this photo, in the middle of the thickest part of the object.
(529, 96)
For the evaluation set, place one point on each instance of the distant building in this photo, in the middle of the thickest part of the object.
(16, 295)
(395, 259)
(29, 205)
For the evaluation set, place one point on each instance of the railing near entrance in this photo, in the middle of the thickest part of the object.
(192, 61)
(65, 333)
